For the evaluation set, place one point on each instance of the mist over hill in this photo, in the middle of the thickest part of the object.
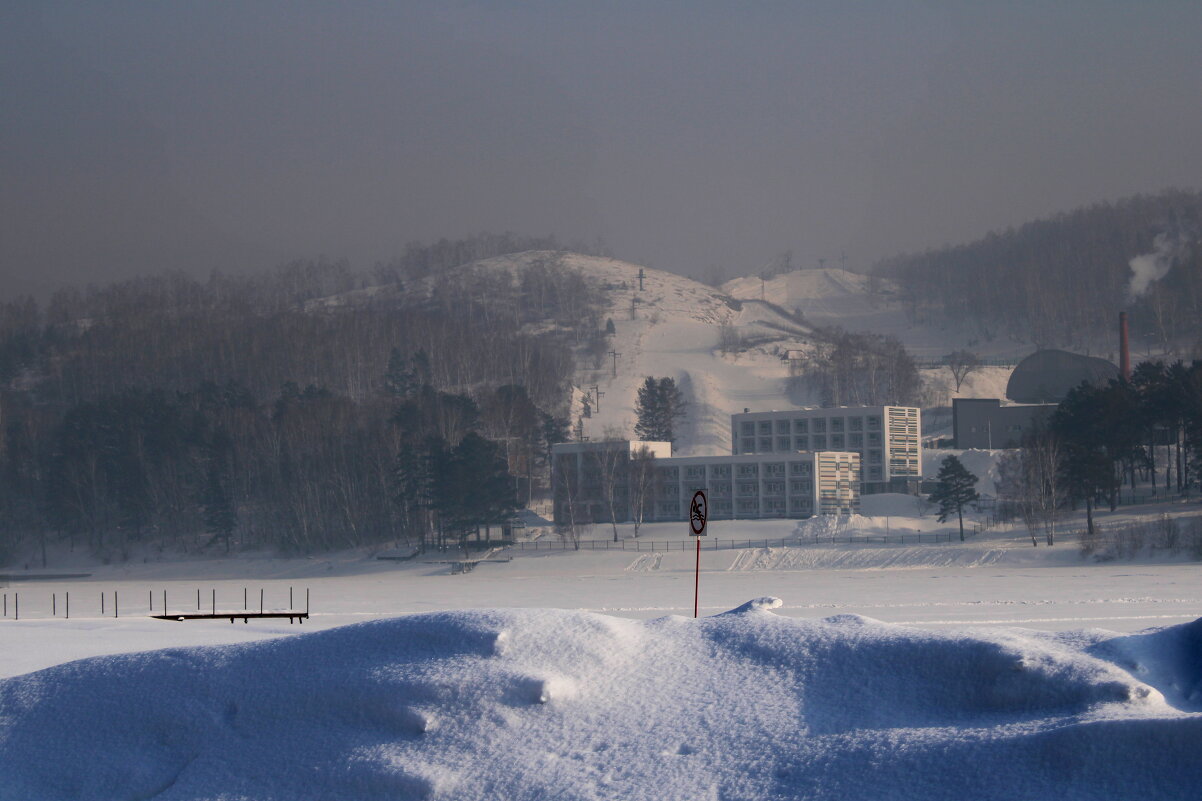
(1060, 281)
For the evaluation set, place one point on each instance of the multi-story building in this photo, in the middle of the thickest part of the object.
(763, 485)
(796, 485)
(887, 439)
(588, 479)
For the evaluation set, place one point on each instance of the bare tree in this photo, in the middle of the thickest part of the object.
(612, 462)
(1031, 481)
(961, 363)
(642, 479)
(567, 494)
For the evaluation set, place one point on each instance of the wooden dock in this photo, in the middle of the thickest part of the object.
(246, 615)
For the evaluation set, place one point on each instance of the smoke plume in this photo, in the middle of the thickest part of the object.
(1154, 266)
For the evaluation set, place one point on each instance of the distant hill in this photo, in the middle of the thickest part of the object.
(1061, 281)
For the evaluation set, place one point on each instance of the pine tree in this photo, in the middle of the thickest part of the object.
(954, 491)
(660, 404)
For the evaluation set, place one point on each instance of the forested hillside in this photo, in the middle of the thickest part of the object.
(309, 407)
(1059, 282)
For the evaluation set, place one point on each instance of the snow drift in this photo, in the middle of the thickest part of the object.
(541, 704)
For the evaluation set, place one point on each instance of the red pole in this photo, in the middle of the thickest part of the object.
(697, 578)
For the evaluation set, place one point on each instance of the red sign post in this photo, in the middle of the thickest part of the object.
(698, 513)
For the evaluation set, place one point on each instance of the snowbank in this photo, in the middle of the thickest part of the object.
(538, 704)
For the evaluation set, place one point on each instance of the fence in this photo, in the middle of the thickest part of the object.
(105, 603)
(708, 544)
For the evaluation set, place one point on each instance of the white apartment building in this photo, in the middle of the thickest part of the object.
(887, 439)
(793, 485)
(788, 485)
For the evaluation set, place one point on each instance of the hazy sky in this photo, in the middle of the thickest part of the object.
(139, 136)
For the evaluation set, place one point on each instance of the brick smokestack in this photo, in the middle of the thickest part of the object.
(1124, 348)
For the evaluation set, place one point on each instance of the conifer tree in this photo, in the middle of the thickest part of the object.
(955, 491)
(660, 404)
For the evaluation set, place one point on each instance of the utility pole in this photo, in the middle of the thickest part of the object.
(615, 355)
(822, 264)
(597, 393)
(640, 279)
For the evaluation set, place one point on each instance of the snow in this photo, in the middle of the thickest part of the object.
(540, 703)
(980, 462)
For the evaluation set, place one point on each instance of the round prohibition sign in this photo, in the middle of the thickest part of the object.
(698, 512)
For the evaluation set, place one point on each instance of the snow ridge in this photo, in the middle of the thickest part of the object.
(536, 704)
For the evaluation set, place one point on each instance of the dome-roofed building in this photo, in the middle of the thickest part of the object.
(1046, 376)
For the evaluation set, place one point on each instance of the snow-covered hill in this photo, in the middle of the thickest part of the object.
(830, 296)
(672, 327)
(539, 704)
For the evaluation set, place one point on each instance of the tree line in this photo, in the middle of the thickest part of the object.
(1145, 430)
(302, 409)
(1058, 282)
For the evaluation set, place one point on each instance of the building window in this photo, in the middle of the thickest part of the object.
(782, 426)
(836, 424)
(799, 468)
(801, 443)
(800, 487)
(748, 429)
(748, 488)
(765, 426)
(719, 471)
(820, 426)
(874, 438)
(748, 445)
(818, 442)
(855, 424)
(765, 444)
(749, 470)
(837, 442)
(874, 456)
(774, 488)
(783, 444)
(801, 426)
(855, 441)
(874, 423)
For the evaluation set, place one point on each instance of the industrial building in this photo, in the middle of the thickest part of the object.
(770, 485)
(988, 423)
(1047, 376)
(886, 438)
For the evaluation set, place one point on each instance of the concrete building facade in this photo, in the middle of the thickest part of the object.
(987, 423)
(886, 438)
(784, 485)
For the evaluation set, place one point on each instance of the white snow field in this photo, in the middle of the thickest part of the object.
(556, 704)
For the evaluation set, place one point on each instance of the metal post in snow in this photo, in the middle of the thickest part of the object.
(115, 604)
(698, 513)
(68, 606)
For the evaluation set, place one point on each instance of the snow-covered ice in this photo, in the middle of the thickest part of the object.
(555, 704)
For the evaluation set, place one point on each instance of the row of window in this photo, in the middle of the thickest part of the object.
(817, 425)
(836, 442)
